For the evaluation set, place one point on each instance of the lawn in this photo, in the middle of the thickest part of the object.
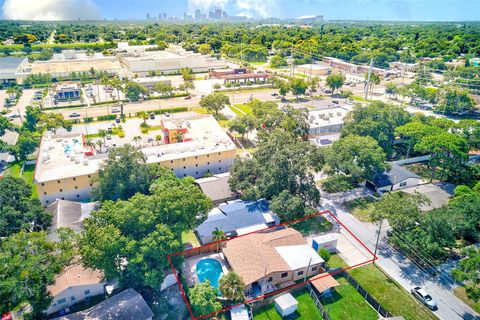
(311, 226)
(360, 208)
(28, 175)
(462, 295)
(200, 110)
(424, 171)
(383, 289)
(245, 108)
(237, 111)
(347, 303)
(336, 262)
(306, 309)
(190, 237)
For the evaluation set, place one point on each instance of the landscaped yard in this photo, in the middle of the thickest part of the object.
(245, 108)
(28, 174)
(389, 293)
(311, 226)
(190, 237)
(306, 309)
(460, 293)
(423, 171)
(347, 303)
(360, 208)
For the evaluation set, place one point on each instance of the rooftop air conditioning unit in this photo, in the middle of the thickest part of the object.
(85, 162)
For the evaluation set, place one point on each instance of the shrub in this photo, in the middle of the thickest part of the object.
(171, 110)
(338, 183)
(107, 117)
(88, 119)
(324, 254)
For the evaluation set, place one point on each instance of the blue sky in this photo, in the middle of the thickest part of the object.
(424, 10)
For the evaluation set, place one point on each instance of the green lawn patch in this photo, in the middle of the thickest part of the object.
(312, 226)
(336, 262)
(190, 237)
(245, 108)
(239, 112)
(200, 110)
(424, 171)
(306, 309)
(462, 295)
(390, 294)
(361, 208)
(28, 175)
(347, 303)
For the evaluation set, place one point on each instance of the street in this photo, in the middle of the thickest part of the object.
(402, 270)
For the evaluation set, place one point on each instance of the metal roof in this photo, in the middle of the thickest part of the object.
(10, 64)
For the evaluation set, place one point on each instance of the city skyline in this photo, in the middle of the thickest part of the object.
(387, 10)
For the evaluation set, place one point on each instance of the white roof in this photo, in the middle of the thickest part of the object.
(325, 238)
(249, 229)
(239, 313)
(286, 301)
(299, 256)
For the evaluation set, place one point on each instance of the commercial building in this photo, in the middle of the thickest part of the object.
(169, 61)
(326, 121)
(13, 69)
(239, 75)
(150, 82)
(191, 146)
(402, 66)
(314, 69)
(75, 284)
(67, 92)
(358, 69)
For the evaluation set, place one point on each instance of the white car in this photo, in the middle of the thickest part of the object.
(115, 110)
(424, 297)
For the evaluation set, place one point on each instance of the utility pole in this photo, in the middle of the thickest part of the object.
(292, 68)
(378, 239)
(368, 78)
(306, 271)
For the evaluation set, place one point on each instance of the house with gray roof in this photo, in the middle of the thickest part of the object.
(236, 218)
(13, 69)
(68, 214)
(396, 178)
(126, 305)
(217, 188)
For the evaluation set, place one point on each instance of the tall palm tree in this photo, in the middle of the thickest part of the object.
(143, 115)
(217, 235)
(103, 134)
(232, 287)
(100, 144)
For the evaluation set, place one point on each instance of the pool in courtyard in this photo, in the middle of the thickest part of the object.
(209, 269)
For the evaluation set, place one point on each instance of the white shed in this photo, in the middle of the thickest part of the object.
(326, 241)
(286, 305)
(239, 313)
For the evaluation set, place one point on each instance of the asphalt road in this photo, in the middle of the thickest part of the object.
(403, 270)
(150, 105)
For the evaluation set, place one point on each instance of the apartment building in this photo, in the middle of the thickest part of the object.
(192, 145)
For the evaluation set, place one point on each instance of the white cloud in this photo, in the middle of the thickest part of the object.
(250, 8)
(49, 10)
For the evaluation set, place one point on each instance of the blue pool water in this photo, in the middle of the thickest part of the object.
(69, 148)
(209, 269)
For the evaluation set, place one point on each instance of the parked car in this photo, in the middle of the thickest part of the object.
(424, 297)
(274, 94)
(115, 110)
(117, 120)
(109, 137)
(152, 116)
(335, 101)
(74, 115)
(188, 97)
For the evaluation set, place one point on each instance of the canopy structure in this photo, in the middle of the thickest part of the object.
(324, 281)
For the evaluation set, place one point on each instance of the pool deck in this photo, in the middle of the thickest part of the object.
(190, 266)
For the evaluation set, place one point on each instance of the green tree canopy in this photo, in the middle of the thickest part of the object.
(214, 102)
(232, 287)
(356, 156)
(377, 120)
(18, 209)
(277, 61)
(468, 271)
(203, 299)
(134, 90)
(124, 173)
(335, 81)
(455, 102)
(130, 239)
(298, 86)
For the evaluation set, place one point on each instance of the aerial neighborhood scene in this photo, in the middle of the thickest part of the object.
(239, 159)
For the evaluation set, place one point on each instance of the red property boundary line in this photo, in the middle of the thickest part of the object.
(374, 257)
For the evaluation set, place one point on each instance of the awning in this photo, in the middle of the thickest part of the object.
(324, 281)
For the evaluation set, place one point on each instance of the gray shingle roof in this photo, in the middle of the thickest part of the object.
(234, 215)
(395, 175)
(126, 305)
(69, 214)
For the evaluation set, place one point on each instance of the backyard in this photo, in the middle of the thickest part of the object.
(190, 237)
(28, 174)
(312, 226)
(306, 309)
(382, 288)
(347, 303)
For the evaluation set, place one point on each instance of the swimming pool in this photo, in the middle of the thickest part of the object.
(209, 269)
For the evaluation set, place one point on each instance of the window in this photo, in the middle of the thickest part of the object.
(58, 181)
(76, 187)
(91, 185)
(61, 190)
(86, 291)
(299, 273)
(270, 279)
(72, 298)
(183, 159)
(208, 162)
(171, 161)
(63, 198)
(184, 167)
(208, 156)
(184, 174)
(74, 179)
(219, 153)
(219, 161)
(284, 275)
(62, 301)
(47, 201)
(403, 184)
(78, 196)
(196, 172)
(43, 184)
(196, 157)
(196, 165)
(89, 176)
(314, 268)
(44, 193)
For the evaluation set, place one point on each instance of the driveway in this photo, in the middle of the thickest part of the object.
(402, 270)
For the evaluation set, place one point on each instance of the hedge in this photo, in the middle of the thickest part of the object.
(88, 119)
(107, 117)
(171, 110)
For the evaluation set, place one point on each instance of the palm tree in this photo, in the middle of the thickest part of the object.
(100, 144)
(103, 134)
(137, 139)
(218, 235)
(179, 136)
(144, 116)
(232, 287)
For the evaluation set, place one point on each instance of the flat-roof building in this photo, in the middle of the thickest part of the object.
(326, 121)
(169, 61)
(13, 69)
(192, 146)
(314, 69)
